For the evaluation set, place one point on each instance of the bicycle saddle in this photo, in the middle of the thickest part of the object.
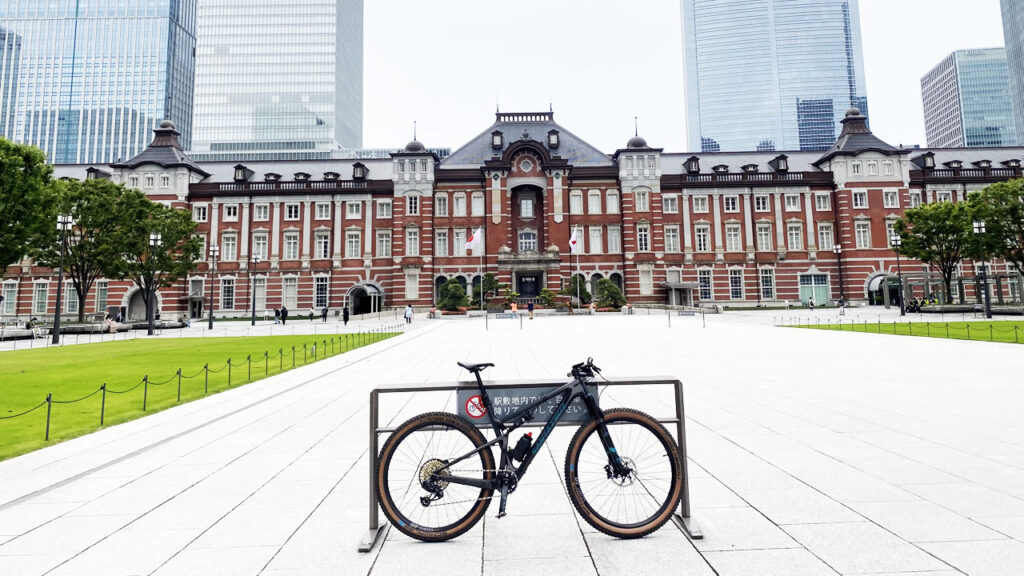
(475, 367)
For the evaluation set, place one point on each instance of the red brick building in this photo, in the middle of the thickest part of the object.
(745, 229)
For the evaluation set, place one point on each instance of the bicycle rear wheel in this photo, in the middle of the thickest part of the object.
(410, 477)
(631, 506)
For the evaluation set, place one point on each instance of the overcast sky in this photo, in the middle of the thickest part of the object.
(446, 64)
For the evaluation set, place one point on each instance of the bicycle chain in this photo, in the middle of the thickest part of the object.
(452, 503)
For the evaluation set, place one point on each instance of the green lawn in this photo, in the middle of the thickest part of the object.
(137, 372)
(1001, 331)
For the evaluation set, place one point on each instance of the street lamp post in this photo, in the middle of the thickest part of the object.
(214, 251)
(896, 242)
(154, 245)
(64, 223)
(252, 287)
(838, 250)
(979, 229)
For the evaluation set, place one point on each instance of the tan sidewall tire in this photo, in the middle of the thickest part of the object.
(383, 496)
(577, 497)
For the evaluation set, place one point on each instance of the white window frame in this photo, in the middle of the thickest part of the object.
(322, 245)
(412, 285)
(526, 205)
(670, 204)
(643, 237)
(736, 281)
(862, 234)
(384, 209)
(526, 240)
(412, 241)
(290, 292)
(225, 302)
(856, 169)
(887, 168)
(595, 240)
(291, 246)
(943, 196)
(762, 203)
(890, 198)
(40, 299)
(321, 291)
(767, 281)
(860, 199)
(733, 238)
(323, 211)
(200, 212)
(764, 237)
(459, 242)
(614, 240)
(440, 243)
(611, 202)
(643, 200)
(260, 242)
(165, 181)
(672, 243)
(292, 211)
(231, 212)
(792, 203)
(795, 236)
(353, 243)
(646, 281)
(594, 202)
(823, 202)
(229, 248)
(872, 168)
(459, 205)
(700, 204)
(383, 243)
(71, 302)
(705, 284)
(102, 294)
(261, 212)
(412, 205)
(826, 236)
(576, 202)
(915, 199)
(353, 210)
(731, 203)
(702, 238)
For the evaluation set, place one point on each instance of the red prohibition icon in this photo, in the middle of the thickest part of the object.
(475, 407)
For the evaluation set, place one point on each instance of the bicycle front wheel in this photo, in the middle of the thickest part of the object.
(411, 485)
(628, 506)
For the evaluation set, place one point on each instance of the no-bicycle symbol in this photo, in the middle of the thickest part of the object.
(475, 407)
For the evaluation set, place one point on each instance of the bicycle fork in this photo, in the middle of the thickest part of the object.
(616, 467)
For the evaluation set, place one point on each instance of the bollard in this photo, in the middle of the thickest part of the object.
(248, 361)
(145, 391)
(229, 372)
(179, 385)
(49, 404)
(103, 402)
(206, 380)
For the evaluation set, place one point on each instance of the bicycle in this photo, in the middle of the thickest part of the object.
(436, 475)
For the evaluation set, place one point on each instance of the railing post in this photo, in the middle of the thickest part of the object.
(229, 372)
(248, 360)
(325, 349)
(1015, 335)
(49, 405)
(280, 360)
(968, 330)
(179, 385)
(103, 402)
(266, 363)
(304, 360)
(991, 337)
(145, 391)
(293, 356)
(206, 382)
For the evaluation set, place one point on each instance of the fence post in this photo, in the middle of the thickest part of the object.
(179, 385)
(910, 328)
(928, 328)
(145, 391)
(325, 349)
(968, 330)
(103, 402)
(248, 360)
(947, 329)
(293, 356)
(266, 363)
(206, 383)
(280, 359)
(304, 361)
(1015, 335)
(49, 404)
(991, 337)
(229, 372)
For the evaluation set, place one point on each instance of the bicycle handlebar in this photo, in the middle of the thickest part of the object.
(588, 369)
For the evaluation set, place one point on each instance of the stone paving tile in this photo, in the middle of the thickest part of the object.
(28, 565)
(568, 566)
(546, 536)
(402, 555)
(900, 471)
(24, 517)
(1012, 526)
(803, 505)
(784, 562)
(128, 551)
(923, 521)
(668, 547)
(739, 529)
(710, 493)
(862, 548)
(970, 500)
(994, 558)
(217, 562)
(66, 533)
(243, 528)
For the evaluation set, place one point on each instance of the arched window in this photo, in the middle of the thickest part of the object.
(438, 283)
(593, 284)
(616, 279)
(527, 241)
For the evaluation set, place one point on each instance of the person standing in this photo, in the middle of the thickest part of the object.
(408, 314)
(312, 313)
(284, 315)
(323, 314)
(810, 303)
(842, 307)
(529, 308)
(344, 315)
(277, 315)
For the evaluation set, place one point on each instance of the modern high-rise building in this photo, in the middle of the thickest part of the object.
(967, 100)
(89, 81)
(1013, 36)
(770, 74)
(278, 79)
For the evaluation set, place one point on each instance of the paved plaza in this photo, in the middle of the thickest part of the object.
(811, 453)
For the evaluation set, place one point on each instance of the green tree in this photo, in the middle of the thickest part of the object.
(25, 200)
(609, 295)
(938, 234)
(547, 298)
(91, 246)
(153, 266)
(490, 288)
(1001, 207)
(577, 286)
(452, 295)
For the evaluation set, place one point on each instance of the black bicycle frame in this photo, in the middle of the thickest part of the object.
(502, 430)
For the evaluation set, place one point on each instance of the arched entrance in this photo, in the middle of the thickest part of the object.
(136, 306)
(884, 290)
(364, 299)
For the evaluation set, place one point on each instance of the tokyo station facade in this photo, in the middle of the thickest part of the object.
(738, 229)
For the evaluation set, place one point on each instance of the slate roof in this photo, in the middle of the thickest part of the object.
(512, 125)
(165, 151)
(856, 138)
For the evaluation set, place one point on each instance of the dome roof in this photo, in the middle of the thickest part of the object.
(167, 125)
(636, 142)
(854, 111)
(415, 146)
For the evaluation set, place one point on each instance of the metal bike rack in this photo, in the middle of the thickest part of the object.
(682, 516)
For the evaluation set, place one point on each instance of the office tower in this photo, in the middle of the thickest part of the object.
(278, 79)
(770, 74)
(1013, 36)
(967, 100)
(88, 81)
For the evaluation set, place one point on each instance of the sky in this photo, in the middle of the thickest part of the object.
(448, 64)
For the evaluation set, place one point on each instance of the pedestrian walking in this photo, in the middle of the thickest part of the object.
(842, 307)
(810, 303)
(312, 313)
(408, 314)
(323, 314)
(344, 315)
(529, 308)
(277, 315)
(284, 315)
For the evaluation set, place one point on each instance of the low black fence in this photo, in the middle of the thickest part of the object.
(310, 353)
(927, 329)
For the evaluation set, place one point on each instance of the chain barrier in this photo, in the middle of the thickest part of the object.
(345, 342)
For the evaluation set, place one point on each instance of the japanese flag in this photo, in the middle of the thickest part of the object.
(572, 241)
(475, 240)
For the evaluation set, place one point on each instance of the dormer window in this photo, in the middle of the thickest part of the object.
(271, 177)
(358, 171)
(780, 163)
(242, 173)
(692, 165)
(953, 164)
(1012, 163)
(497, 139)
(301, 177)
(720, 169)
(929, 161)
(750, 167)
(331, 176)
(983, 164)
(553, 138)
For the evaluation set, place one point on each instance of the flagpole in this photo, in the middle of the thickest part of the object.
(482, 253)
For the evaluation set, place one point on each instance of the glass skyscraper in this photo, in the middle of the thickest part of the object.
(87, 81)
(967, 100)
(1013, 36)
(770, 74)
(278, 79)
